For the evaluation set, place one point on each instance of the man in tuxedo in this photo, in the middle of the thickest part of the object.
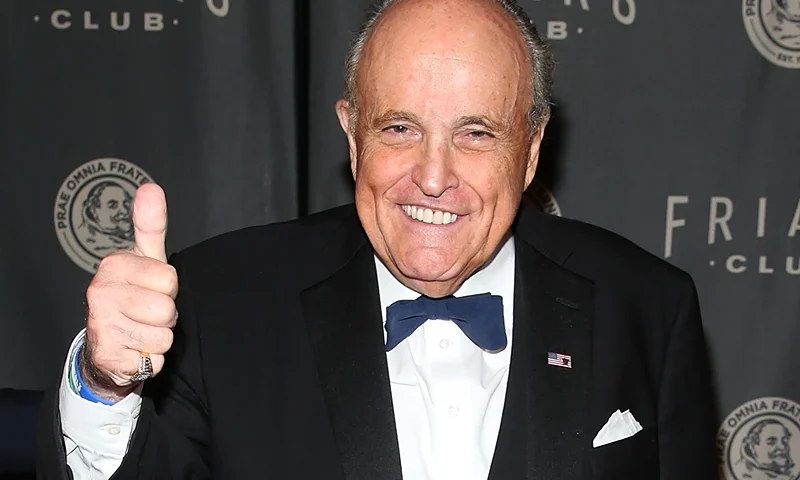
(433, 330)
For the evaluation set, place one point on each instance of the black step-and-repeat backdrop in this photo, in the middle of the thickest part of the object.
(676, 124)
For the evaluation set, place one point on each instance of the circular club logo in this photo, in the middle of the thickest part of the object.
(760, 440)
(542, 198)
(774, 29)
(93, 208)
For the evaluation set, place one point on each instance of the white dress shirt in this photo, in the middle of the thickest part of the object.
(447, 393)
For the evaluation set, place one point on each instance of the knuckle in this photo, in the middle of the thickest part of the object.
(94, 305)
(91, 305)
(174, 318)
(113, 261)
(119, 267)
(102, 310)
(95, 292)
(107, 277)
(162, 309)
(170, 280)
(164, 340)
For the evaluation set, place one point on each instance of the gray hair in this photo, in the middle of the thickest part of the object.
(539, 53)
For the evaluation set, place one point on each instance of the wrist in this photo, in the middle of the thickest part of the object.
(92, 384)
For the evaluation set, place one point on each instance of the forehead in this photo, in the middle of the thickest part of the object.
(112, 190)
(774, 428)
(435, 58)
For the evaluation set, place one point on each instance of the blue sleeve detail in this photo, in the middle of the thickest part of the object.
(83, 390)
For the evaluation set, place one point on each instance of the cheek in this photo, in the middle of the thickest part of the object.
(381, 169)
(495, 181)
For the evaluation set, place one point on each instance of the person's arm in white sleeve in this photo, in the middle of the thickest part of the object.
(96, 436)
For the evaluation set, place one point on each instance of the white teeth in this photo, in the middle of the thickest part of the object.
(426, 215)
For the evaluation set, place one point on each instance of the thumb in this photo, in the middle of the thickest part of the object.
(150, 222)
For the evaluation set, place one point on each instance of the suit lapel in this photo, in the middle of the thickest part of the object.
(542, 431)
(344, 321)
(558, 306)
(546, 405)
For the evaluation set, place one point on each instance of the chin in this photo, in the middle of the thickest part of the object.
(782, 461)
(426, 269)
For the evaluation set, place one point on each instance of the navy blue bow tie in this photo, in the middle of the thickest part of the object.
(480, 317)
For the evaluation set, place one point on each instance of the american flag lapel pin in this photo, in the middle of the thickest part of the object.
(559, 360)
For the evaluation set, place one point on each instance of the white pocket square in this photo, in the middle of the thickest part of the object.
(620, 425)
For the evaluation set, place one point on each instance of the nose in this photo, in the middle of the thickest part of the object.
(433, 173)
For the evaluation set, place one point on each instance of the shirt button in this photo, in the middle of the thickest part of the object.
(113, 430)
(444, 344)
(453, 411)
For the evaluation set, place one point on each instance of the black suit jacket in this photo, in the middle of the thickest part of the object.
(278, 369)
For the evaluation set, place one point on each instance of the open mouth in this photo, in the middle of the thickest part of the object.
(427, 215)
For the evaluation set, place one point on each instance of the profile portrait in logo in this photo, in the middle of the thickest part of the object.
(93, 212)
(782, 22)
(759, 439)
(766, 452)
(774, 29)
(106, 217)
(540, 197)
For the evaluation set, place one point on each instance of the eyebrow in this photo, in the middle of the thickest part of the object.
(392, 116)
(476, 120)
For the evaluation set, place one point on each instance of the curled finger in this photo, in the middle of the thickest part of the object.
(147, 306)
(142, 338)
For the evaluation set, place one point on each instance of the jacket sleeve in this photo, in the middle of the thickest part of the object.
(686, 408)
(172, 436)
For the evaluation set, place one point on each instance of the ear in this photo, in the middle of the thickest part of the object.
(343, 112)
(533, 156)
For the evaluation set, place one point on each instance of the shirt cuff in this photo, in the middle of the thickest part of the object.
(102, 428)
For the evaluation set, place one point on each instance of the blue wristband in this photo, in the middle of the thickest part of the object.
(83, 390)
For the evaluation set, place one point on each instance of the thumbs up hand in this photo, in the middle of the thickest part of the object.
(131, 304)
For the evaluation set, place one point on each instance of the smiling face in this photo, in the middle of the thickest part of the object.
(114, 208)
(791, 8)
(441, 151)
(773, 449)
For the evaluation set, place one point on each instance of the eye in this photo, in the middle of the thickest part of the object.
(396, 129)
(476, 139)
(399, 134)
(479, 134)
